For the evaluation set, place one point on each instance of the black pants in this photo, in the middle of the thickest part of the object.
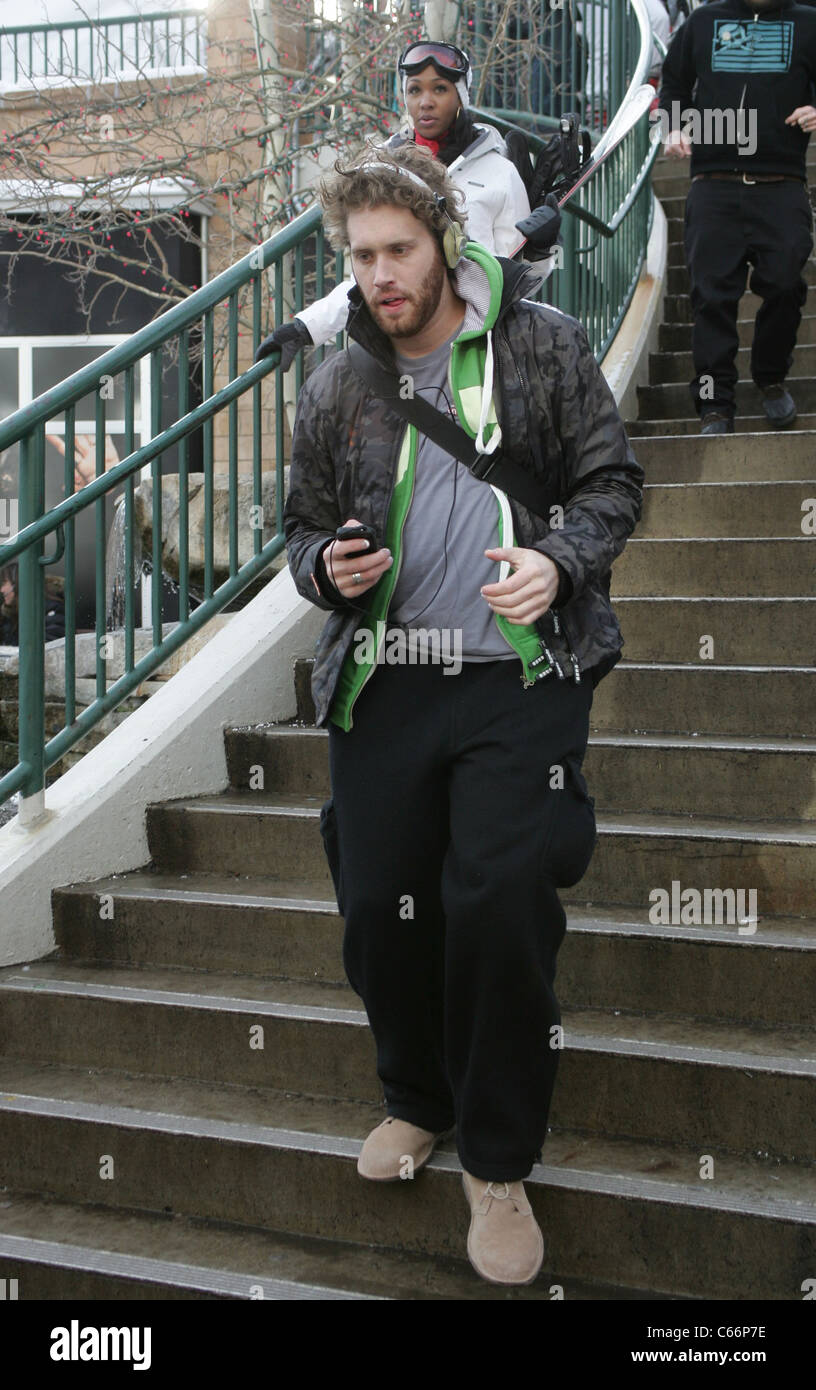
(729, 226)
(449, 835)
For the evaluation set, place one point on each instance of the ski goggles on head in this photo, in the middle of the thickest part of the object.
(448, 60)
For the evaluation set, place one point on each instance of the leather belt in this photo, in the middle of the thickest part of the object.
(757, 178)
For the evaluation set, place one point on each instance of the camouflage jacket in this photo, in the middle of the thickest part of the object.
(558, 420)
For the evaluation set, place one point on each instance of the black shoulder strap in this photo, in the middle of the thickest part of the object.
(493, 468)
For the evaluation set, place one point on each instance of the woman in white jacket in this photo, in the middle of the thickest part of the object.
(435, 81)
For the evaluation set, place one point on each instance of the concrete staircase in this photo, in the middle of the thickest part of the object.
(185, 1085)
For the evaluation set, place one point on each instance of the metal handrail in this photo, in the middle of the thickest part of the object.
(646, 40)
(583, 214)
(165, 326)
(27, 427)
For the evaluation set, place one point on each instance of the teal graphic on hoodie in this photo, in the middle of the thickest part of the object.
(745, 46)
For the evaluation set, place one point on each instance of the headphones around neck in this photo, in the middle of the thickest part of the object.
(453, 238)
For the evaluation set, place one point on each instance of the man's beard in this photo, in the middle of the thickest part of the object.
(419, 310)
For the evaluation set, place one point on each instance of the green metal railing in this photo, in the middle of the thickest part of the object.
(92, 50)
(543, 57)
(604, 247)
(230, 305)
(598, 274)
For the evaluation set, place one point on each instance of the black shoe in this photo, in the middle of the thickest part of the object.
(779, 405)
(716, 422)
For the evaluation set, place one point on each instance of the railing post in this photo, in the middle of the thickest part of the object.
(31, 633)
(566, 294)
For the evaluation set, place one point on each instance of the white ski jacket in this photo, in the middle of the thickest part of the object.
(494, 200)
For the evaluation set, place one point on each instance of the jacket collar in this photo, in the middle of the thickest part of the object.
(464, 140)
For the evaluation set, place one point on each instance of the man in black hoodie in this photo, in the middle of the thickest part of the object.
(737, 98)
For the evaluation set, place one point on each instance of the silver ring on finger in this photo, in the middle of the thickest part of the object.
(357, 578)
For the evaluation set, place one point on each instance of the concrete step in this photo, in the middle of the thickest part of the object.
(674, 401)
(749, 701)
(638, 853)
(237, 832)
(611, 958)
(766, 780)
(677, 277)
(804, 425)
(251, 924)
(693, 509)
(278, 758)
(761, 780)
(674, 206)
(671, 182)
(735, 631)
(728, 568)
(90, 1017)
(677, 310)
(678, 366)
(740, 457)
(676, 337)
(623, 1212)
(677, 306)
(192, 1025)
(63, 1250)
(782, 693)
(675, 226)
(676, 247)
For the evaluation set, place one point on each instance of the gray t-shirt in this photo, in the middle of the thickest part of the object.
(452, 515)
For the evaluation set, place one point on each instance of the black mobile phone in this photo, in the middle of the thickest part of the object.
(353, 533)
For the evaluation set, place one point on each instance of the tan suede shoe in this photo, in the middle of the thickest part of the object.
(505, 1244)
(396, 1149)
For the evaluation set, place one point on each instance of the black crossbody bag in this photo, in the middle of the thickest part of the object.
(491, 468)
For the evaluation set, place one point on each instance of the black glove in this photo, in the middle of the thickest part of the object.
(541, 228)
(290, 338)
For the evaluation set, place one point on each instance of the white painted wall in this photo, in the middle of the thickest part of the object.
(626, 364)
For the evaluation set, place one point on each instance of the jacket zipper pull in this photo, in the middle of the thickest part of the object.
(554, 663)
(556, 627)
(576, 669)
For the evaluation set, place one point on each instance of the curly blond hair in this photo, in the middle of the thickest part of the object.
(354, 186)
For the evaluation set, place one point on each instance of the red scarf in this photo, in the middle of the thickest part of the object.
(432, 145)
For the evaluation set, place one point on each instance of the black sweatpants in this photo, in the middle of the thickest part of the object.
(729, 226)
(449, 833)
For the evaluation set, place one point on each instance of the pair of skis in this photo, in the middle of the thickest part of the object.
(624, 120)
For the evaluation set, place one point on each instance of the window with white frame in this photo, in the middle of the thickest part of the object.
(99, 41)
(28, 367)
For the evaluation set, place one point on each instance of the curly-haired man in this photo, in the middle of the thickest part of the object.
(458, 805)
